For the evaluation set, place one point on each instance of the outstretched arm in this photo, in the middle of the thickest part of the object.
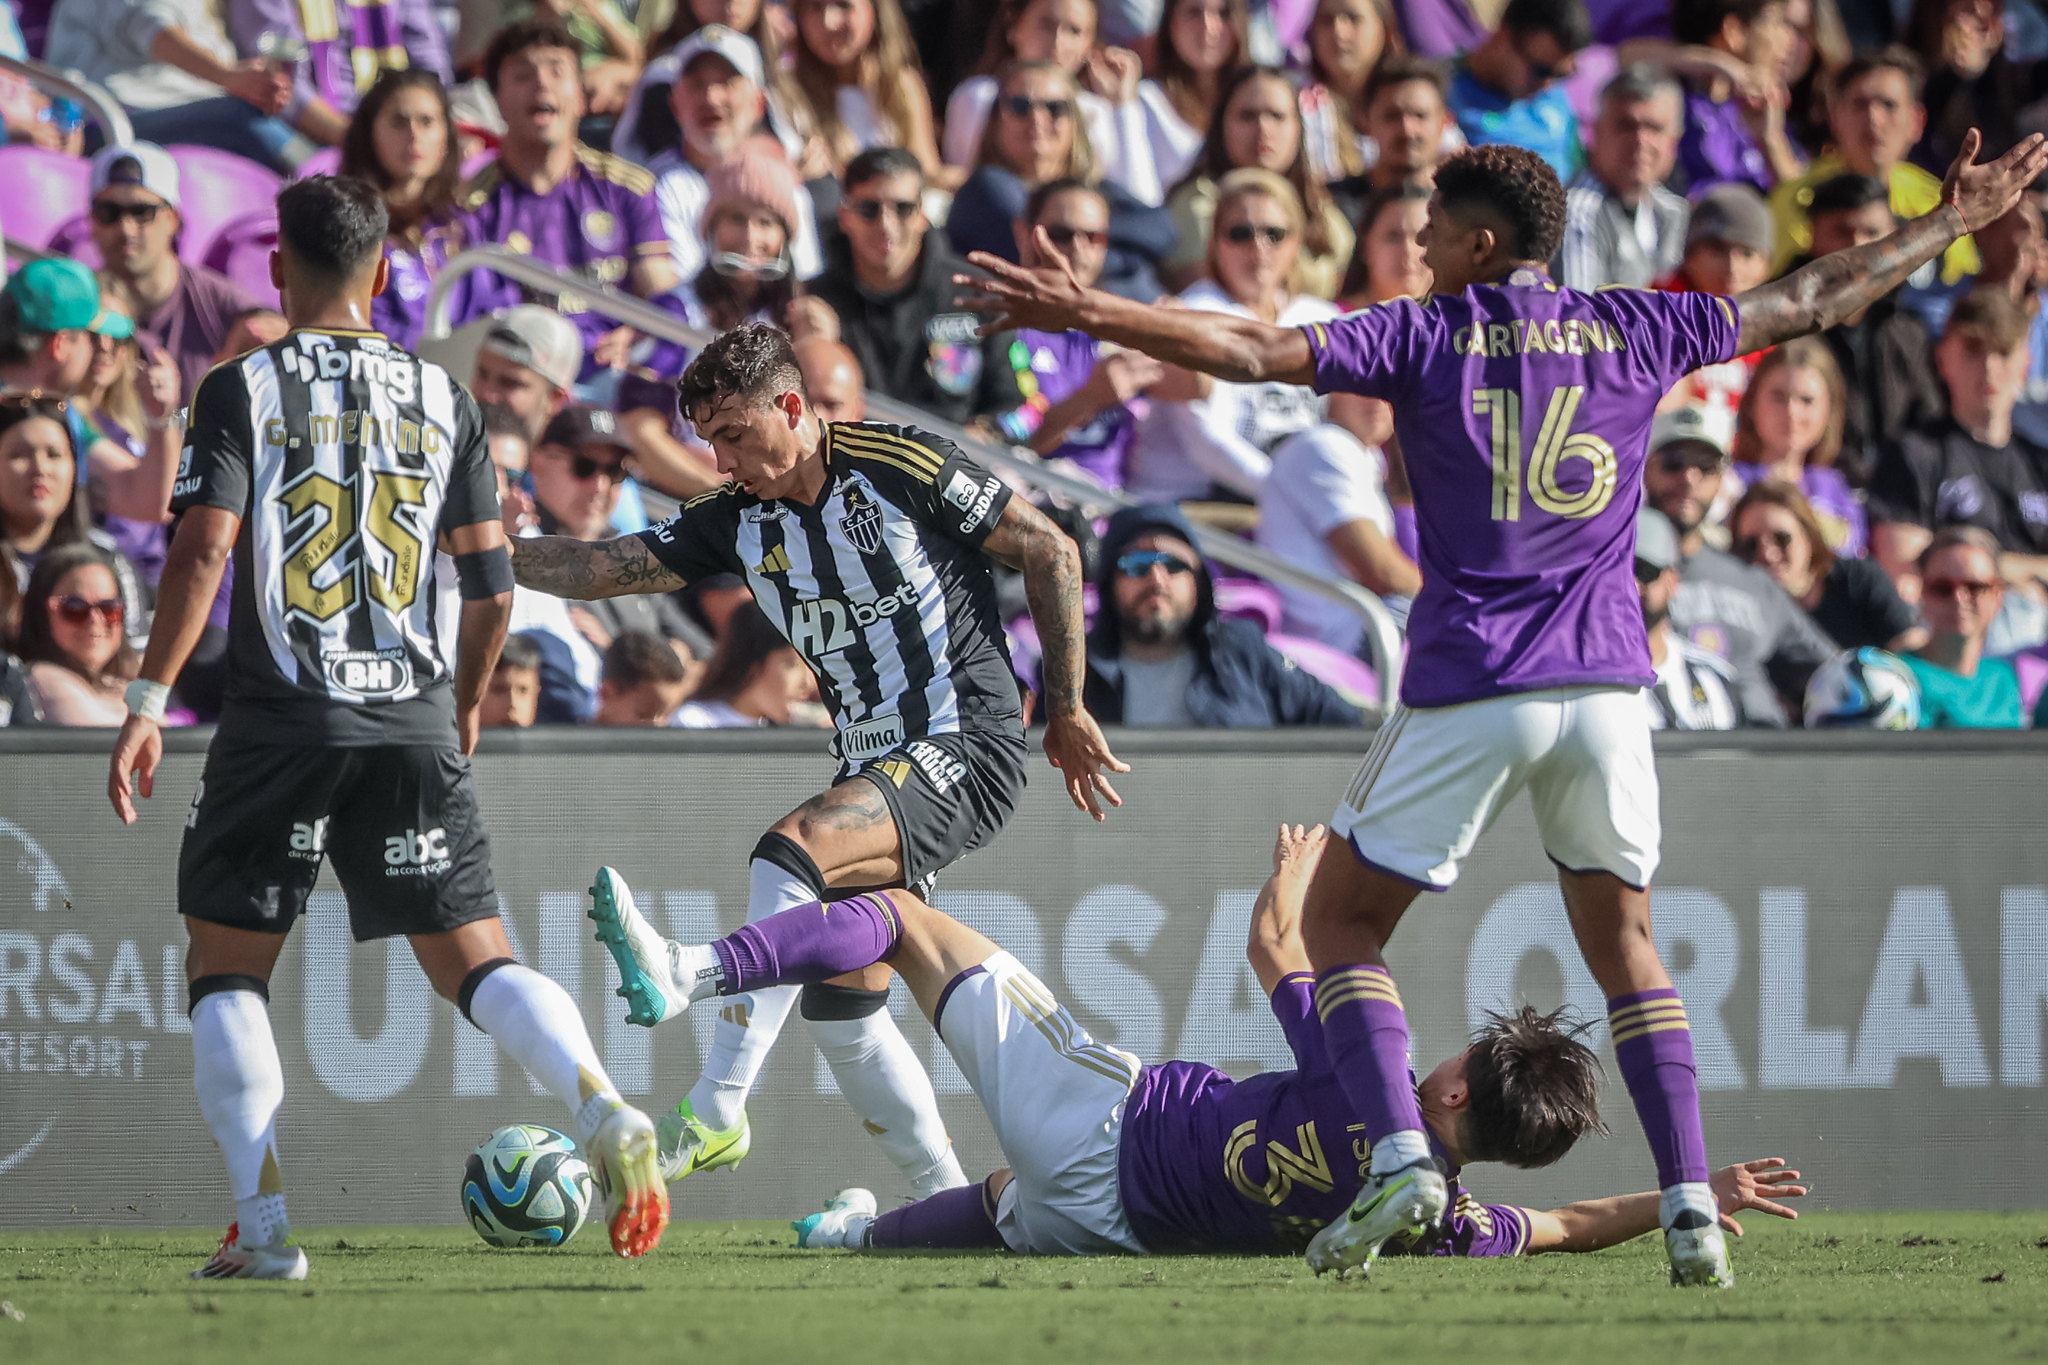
(1274, 948)
(587, 570)
(1841, 285)
(1595, 1223)
(1051, 299)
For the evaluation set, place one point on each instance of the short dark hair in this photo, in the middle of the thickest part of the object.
(1641, 82)
(514, 39)
(1532, 1089)
(520, 652)
(876, 162)
(1034, 207)
(1697, 21)
(1847, 192)
(1990, 312)
(1515, 184)
(334, 225)
(753, 361)
(1894, 58)
(1399, 68)
(1565, 20)
(640, 656)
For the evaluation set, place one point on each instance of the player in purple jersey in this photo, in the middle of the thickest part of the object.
(1107, 1155)
(1523, 412)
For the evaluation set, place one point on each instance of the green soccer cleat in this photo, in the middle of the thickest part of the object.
(686, 1145)
(1699, 1254)
(842, 1225)
(1407, 1200)
(646, 967)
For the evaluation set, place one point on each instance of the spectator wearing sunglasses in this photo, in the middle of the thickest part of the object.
(72, 638)
(1722, 604)
(890, 280)
(1961, 593)
(135, 223)
(1160, 656)
(1034, 137)
(1853, 600)
(1510, 87)
(1695, 687)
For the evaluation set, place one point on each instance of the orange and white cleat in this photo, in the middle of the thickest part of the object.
(625, 1158)
(234, 1261)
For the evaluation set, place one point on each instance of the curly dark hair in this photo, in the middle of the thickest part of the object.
(1517, 185)
(514, 39)
(753, 361)
(1533, 1089)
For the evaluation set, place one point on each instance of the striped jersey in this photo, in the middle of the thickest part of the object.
(881, 585)
(346, 458)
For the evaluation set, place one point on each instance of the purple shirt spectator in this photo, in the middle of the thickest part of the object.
(1059, 363)
(1439, 29)
(1842, 518)
(196, 318)
(349, 43)
(400, 312)
(1717, 147)
(1524, 415)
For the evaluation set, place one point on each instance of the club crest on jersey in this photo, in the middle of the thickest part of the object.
(863, 520)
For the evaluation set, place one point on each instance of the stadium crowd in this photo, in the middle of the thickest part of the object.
(826, 165)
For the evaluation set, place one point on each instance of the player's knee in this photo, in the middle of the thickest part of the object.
(823, 1001)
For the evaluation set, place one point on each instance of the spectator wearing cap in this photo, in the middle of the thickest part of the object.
(1722, 604)
(1621, 226)
(527, 364)
(339, 49)
(1727, 252)
(135, 224)
(720, 101)
(1510, 87)
(1961, 686)
(1853, 600)
(644, 681)
(1733, 133)
(1884, 353)
(832, 380)
(1159, 655)
(1695, 687)
(548, 196)
(1874, 118)
(176, 72)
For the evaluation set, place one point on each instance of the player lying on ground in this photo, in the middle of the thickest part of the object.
(330, 464)
(1523, 412)
(1108, 1155)
(870, 547)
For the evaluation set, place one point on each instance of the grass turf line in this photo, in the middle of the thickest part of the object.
(1833, 1287)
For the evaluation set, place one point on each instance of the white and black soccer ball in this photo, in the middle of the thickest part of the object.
(526, 1186)
(1863, 689)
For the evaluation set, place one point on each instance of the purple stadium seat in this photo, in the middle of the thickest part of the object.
(47, 193)
(1251, 600)
(217, 188)
(326, 161)
(1353, 677)
(74, 239)
(1025, 649)
(242, 253)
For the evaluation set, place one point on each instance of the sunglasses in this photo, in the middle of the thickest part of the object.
(110, 214)
(78, 611)
(583, 467)
(1138, 563)
(1747, 546)
(1956, 587)
(1681, 459)
(1065, 237)
(1244, 234)
(871, 210)
(1023, 106)
(1647, 573)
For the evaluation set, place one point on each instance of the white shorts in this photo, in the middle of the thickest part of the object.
(1055, 1098)
(1436, 779)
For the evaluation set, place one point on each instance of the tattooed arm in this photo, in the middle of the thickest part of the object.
(1026, 541)
(586, 570)
(1840, 286)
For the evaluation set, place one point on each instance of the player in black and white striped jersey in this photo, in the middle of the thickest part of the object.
(870, 548)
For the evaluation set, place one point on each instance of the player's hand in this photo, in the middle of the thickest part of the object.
(1046, 297)
(1986, 193)
(136, 754)
(1756, 1186)
(1276, 917)
(469, 728)
(1074, 744)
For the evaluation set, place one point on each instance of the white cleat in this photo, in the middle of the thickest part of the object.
(1407, 1200)
(844, 1222)
(1699, 1255)
(237, 1262)
(646, 959)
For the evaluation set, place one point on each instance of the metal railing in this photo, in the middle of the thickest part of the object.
(1380, 628)
(99, 106)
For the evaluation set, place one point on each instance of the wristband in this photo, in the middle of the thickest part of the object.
(147, 699)
(484, 573)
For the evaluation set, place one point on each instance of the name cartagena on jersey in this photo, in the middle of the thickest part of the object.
(346, 458)
(881, 585)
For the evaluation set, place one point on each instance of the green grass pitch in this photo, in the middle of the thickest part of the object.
(1833, 1287)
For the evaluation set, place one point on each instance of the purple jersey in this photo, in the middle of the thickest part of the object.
(400, 312)
(1524, 413)
(1051, 368)
(1210, 1164)
(600, 222)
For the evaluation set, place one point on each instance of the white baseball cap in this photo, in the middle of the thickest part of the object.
(1712, 428)
(142, 164)
(738, 50)
(540, 339)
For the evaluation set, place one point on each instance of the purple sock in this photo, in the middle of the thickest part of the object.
(1366, 1031)
(1653, 1047)
(809, 943)
(958, 1219)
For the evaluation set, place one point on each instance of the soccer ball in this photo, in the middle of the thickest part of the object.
(1863, 689)
(526, 1186)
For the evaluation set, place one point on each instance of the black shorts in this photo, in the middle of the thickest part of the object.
(399, 821)
(949, 794)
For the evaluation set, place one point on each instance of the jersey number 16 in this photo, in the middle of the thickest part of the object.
(1555, 443)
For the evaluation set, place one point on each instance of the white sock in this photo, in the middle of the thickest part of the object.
(1396, 1150)
(535, 1021)
(1697, 1197)
(240, 1081)
(696, 968)
(750, 1022)
(887, 1086)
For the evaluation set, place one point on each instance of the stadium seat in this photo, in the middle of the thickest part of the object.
(242, 253)
(326, 161)
(1353, 677)
(1250, 600)
(218, 188)
(48, 195)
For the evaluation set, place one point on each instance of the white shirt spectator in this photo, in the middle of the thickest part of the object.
(712, 715)
(1117, 132)
(1174, 141)
(1607, 242)
(662, 72)
(1321, 480)
(682, 192)
(109, 40)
